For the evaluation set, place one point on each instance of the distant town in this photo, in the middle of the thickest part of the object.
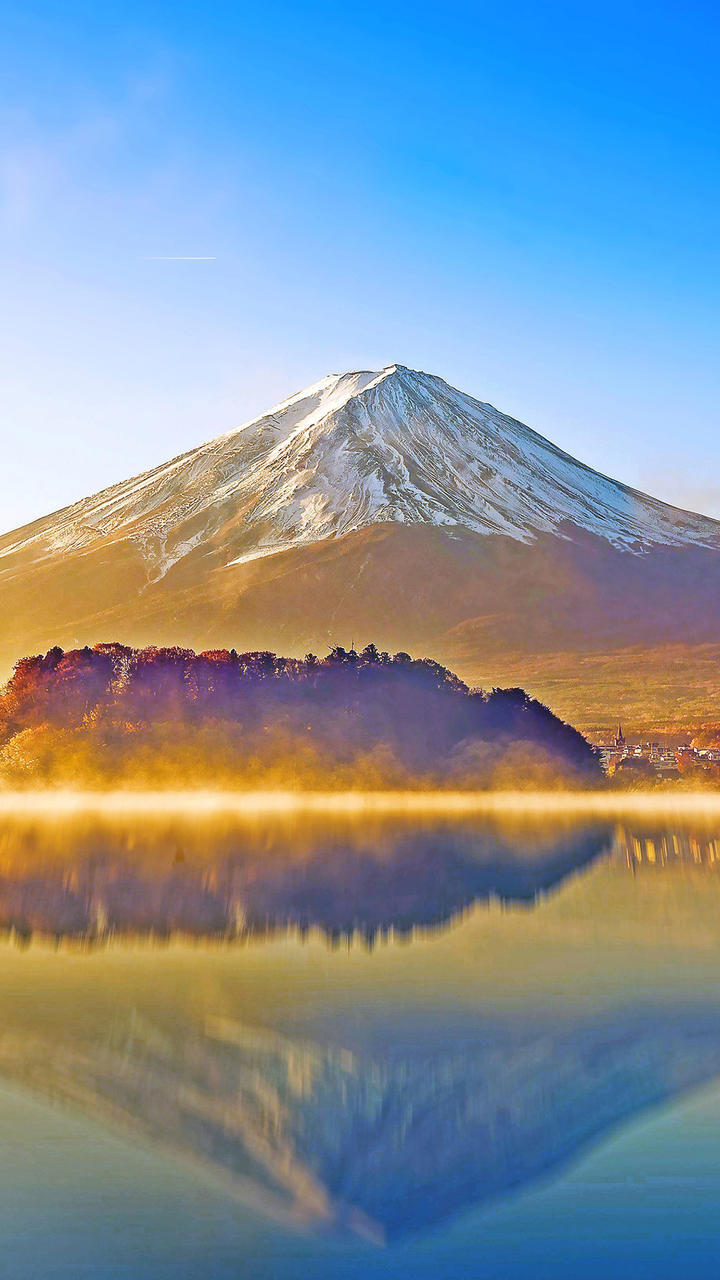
(658, 760)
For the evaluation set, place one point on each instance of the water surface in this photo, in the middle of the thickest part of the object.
(325, 1046)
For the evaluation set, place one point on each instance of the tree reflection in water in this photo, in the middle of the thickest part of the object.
(92, 880)
(409, 1103)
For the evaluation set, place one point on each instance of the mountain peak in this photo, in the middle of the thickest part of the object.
(352, 450)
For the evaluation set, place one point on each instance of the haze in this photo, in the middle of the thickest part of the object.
(361, 804)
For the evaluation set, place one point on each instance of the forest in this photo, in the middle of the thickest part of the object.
(115, 716)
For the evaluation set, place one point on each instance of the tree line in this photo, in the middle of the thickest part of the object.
(113, 713)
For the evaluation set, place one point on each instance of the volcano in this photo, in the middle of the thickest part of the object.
(391, 507)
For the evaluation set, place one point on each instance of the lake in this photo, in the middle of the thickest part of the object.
(332, 1045)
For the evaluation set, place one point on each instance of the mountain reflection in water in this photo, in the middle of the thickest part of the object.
(381, 1090)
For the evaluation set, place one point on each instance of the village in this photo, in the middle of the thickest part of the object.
(658, 760)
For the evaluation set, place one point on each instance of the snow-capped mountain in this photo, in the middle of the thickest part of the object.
(359, 449)
(384, 506)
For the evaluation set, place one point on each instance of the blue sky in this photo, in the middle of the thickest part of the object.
(521, 198)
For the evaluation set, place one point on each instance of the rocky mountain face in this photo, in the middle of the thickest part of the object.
(387, 506)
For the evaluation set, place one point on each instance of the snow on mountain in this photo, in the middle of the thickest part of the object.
(354, 450)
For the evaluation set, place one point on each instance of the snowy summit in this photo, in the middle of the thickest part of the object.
(358, 449)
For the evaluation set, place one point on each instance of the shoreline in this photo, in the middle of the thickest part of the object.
(258, 804)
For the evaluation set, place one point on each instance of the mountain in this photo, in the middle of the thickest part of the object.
(389, 506)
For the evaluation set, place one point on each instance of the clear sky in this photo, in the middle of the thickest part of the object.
(520, 197)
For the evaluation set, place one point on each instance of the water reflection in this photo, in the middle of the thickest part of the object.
(380, 1091)
(660, 846)
(94, 880)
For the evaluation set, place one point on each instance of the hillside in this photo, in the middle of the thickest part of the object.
(389, 506)
(114, 716)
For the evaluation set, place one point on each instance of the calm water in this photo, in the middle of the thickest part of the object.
(439, 1049)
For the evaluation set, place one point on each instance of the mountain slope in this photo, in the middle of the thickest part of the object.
(355, 450)
(384, 505)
